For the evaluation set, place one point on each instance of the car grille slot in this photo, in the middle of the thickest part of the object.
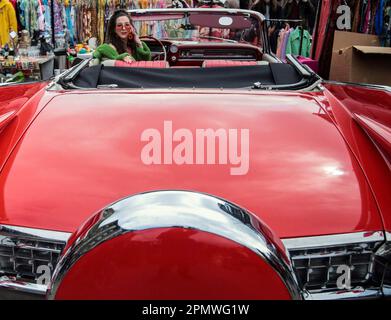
(20, 257)
(317, 268)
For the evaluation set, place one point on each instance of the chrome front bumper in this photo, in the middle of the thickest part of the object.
(11, 287)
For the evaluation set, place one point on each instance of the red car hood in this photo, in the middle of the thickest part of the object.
(83, 152)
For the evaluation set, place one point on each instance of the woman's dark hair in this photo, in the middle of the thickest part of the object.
(111, 36)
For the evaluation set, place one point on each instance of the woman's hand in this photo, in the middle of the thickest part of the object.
(128, 59)
(134, 37)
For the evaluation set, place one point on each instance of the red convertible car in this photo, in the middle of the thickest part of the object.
(215, 171)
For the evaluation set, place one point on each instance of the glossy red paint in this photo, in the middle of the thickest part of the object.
(21, 103)
(13, 97)
(182, 264)
(346, 103)
(83, 153)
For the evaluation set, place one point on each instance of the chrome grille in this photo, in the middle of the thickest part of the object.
(22, 254)
(316, 268)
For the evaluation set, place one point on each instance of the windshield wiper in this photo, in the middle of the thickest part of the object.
(217, 38)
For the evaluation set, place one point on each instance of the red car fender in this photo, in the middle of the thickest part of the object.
(19, 104)
(364, 119)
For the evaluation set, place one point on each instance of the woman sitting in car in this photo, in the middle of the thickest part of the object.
(122, 41)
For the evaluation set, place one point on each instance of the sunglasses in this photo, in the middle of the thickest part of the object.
(120, 26)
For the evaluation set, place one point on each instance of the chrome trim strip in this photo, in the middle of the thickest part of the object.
(358, 293)
(363, 85)
(388, 236)
(36, 233)
(331, 240)
(257, 14)
(386, 291)
(13, 284)
(12, 84)
(169, 209)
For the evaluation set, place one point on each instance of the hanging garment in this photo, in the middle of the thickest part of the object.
(47, 19)
(367, 19)
(363, 11)
(299, 38)
(326, 53)
(307, 15)
(58, 20)
(292, 10)
(34, 18)
(101, 21)
(279, 42)
(269, 11)
(321, 31)
(107, 15)
(94, 19)
(24, 9)
(69, 22)
(285, 43)
(379, 18)
(16, 7)
(40, 15)
(273, 38)
(313, 64)
(356, 16)
(8, 21)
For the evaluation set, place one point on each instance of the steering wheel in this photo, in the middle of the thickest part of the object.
(160, 43)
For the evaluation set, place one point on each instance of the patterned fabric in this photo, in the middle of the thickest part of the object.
(58, 20)
(47, 19)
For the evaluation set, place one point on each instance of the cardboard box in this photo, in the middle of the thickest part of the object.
(344, 39)
(358, 58)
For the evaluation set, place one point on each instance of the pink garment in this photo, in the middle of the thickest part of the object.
(313, 64)
(284, 36)
(280, 41)
(285, 43)
(367, 18)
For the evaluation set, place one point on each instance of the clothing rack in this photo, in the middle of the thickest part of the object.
(300, 24)
(284, 20)
(296, 21)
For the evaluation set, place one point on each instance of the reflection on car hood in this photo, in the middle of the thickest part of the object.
(83, 152)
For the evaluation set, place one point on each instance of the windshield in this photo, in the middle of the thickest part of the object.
(199, 26)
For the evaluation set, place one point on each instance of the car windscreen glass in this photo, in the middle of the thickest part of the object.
(195, 26)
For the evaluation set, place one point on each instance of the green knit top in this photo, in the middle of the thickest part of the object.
(108, 52)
